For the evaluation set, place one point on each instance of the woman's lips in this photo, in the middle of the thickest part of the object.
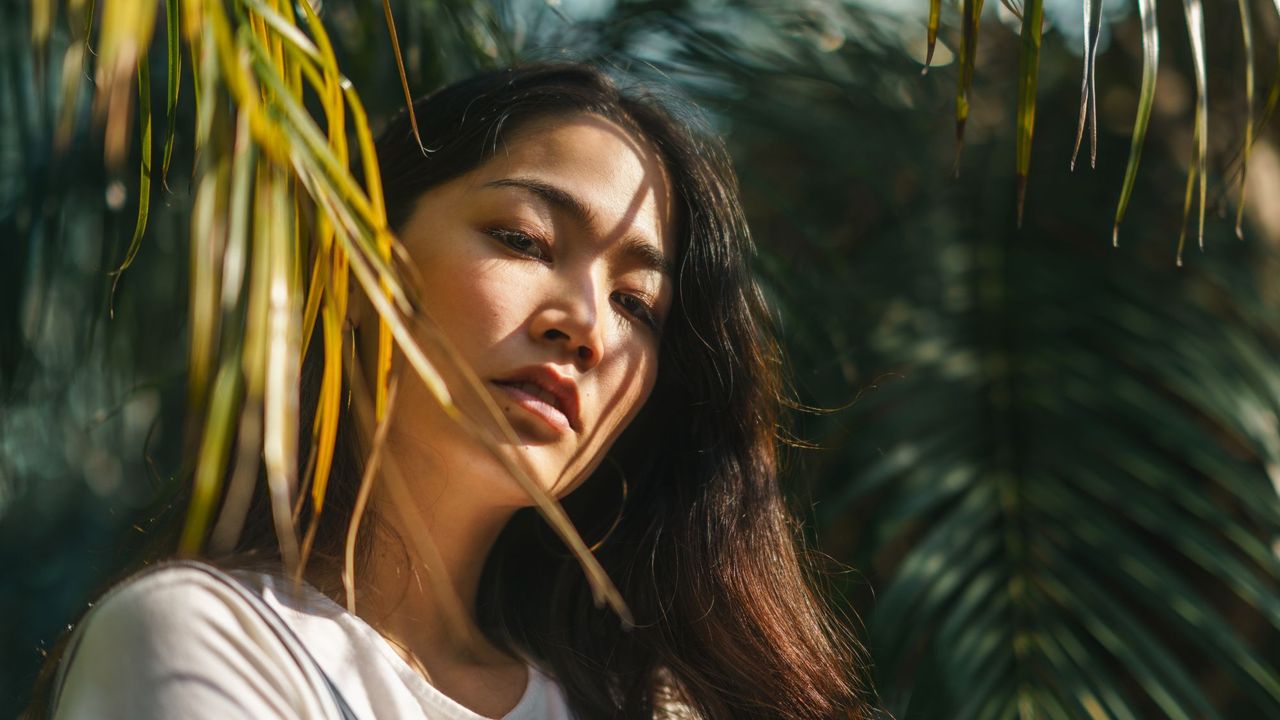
(537, 401)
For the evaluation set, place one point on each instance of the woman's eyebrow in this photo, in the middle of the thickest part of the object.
(555, 196)
(647, 256)
(641, 252)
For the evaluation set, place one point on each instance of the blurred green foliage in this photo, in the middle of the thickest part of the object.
(1051, 465)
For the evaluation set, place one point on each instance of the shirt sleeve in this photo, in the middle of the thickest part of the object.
(178, 643)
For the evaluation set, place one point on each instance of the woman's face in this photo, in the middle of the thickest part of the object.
(549, 269)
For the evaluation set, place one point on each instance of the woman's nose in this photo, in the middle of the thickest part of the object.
(571, 322)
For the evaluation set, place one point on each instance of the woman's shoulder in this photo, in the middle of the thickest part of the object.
(181, 639)
(190, 597)
(154, 586)
(178, 602)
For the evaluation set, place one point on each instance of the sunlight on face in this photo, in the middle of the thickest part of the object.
(549, 268)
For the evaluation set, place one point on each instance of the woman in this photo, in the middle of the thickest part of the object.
(586, 254)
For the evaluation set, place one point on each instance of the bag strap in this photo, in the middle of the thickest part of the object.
(292, 643)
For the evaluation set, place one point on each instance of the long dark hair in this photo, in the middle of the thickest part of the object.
(705, 551)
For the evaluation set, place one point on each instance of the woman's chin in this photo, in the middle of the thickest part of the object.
(531, 431)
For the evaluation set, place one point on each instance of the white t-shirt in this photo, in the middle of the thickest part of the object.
(180, 643)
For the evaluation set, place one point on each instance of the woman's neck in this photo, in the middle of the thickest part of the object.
(419, 588)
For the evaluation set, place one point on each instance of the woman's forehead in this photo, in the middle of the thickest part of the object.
(615, 179)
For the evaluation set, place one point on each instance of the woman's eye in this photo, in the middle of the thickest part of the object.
(637, 308)
(520, 242)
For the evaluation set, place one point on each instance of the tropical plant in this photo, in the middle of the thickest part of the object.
(1031, 14)
(1057, 475)
(281, 227)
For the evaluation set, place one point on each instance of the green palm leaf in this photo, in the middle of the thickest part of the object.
(1195, 29)
(1246, 37)
(1088, 84)
(1028, 80)
(931, 39)
(1146, 100)
(971, 17)
(144, 179)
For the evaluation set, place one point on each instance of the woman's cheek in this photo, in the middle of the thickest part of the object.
(633, 383)
(497, 304)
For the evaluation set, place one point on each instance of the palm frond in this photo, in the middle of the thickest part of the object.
(1089, 83)
(971, 17)
(1028, 81)
(1195, 29)
(1146, 100)
(263, 166)
(144, 175)
(931, 39)
(173, 76)
(1246, 38)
